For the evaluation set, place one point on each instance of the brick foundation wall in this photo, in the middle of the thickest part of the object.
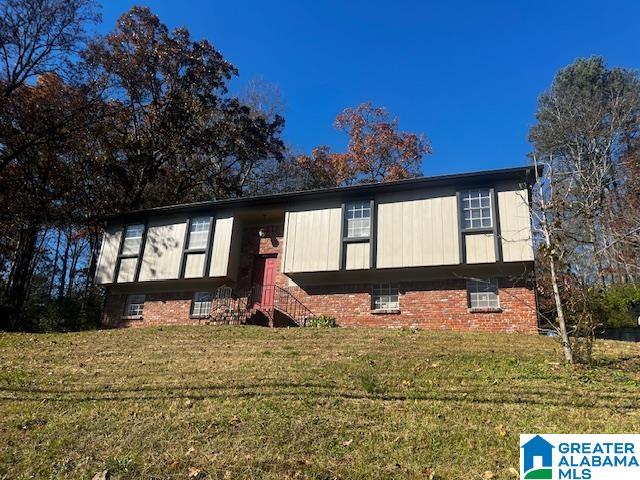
(430, 305)
(159, 309)
(438, 304)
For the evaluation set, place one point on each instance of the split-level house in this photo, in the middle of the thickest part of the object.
(444, 252)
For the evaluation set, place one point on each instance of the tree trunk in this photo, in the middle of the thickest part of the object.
(94, 245)
(546, 232)
(17, 291)
(562, 326)
(74, 267)
(54, 270)
(65, 264)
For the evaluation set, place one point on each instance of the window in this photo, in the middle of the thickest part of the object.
(483, 293)
(358, 218)
(198, 233)
(134, 306)
(132, 239)
(385, 297)
(476, 208)
(201, 305)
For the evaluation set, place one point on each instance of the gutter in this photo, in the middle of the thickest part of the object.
(526, 173)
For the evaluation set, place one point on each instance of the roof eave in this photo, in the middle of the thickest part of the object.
(526, 173)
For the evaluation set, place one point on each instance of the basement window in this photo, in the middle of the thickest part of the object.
(483, 294)
(385, 298)
(134, 306)
(201, 304)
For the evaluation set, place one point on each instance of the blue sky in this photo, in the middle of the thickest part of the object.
(465, 73)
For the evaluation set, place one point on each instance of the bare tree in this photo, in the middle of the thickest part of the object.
(264, 98)
(37, 36)
(588, 122)
(547, 200)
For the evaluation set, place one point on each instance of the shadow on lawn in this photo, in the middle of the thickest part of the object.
(549, 395)
(628, 363)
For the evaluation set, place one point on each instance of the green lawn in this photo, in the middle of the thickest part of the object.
(249, 402)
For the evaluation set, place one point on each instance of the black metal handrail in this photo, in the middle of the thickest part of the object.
(229, 307)
(281, 299)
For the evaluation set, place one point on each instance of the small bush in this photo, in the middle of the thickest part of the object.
(68, 314)
(322, 321)
(613, 307)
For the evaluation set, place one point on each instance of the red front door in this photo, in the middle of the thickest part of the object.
(264, 276)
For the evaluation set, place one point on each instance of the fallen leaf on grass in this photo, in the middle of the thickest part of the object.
(488, 475)
(103, 475)
(197, 474)
(501, 430)
(347, 443)
(514, 472)
(429, 474)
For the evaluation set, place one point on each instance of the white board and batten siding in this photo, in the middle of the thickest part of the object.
(515, 229)
(163, 249)
(312, 238)
(222, 245)
(162, 252)
(418, 228)
(357, 256)
(515, 223)
(480, 248)
(108, 256)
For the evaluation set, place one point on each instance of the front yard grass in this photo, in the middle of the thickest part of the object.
(249, 402)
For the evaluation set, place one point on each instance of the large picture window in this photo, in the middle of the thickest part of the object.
(385, 296)
(483, 293)
(476, 209)
(358, 219)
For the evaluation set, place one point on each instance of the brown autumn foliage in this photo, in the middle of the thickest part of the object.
(177, 135)
(44, 186)
(376, 152)
(141, 117)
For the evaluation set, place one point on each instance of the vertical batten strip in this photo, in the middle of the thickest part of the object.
(183, 259)
(373, 234)
(343, 251)
(496, 226)
(208, 253)
(119, 258)
(143, 244)
(461, 235)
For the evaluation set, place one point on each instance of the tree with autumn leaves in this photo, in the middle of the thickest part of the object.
(137, 118)
(95, 125)
(376, 151)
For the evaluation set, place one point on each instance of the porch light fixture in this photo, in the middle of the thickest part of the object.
(262, 233)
